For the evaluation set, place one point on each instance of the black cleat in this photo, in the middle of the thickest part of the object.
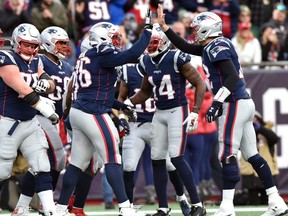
(197, 211)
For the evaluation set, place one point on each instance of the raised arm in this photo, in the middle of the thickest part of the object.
(178, 41)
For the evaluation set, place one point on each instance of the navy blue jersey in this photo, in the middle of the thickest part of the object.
(167, 80)
(96, 74)
(133, 79)
(61, 75)
(95, 11)
(11, 105)
(219, 49)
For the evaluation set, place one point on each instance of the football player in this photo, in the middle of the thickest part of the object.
(21, 71)
(165, 73)
(232, 106)
(92, 127)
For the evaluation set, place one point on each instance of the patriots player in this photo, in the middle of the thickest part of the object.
(134, 143)
(92, 127)
(165, 74)
(21, 71)
(232, 106)
(55, 42)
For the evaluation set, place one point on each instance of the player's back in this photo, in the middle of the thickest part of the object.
(61, 75)
(133, 79)
(11, 105)
(95, 83)
(167, 80)
(220, 49)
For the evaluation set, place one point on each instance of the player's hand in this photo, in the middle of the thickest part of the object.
(130, 113)
(214, 111)
(47, 111)
(48, 101)
(148, 20)
(161, 18)
(191, 122)
(124, 123)
(42, 86)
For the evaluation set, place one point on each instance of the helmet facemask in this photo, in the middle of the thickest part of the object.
(62, 49)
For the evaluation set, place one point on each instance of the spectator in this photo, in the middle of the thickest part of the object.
(229, 12)
(274, 35)
(13, 13)
(245, 17)
(247, 46)
(266, 143)
(48, 13)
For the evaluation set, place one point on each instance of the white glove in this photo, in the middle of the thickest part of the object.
(129, 103)
(191, 121)
(42, 85)
(49, 102)
(47, 110)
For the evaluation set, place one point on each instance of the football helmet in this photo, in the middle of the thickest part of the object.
(205, 25)
(159, 42)
(105, 32)
(26, 41)
(2, 40)
(55, 40)
(85, 45)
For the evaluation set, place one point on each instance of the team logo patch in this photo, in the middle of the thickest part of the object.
(214, 52)
(52, 31)
(2, 59)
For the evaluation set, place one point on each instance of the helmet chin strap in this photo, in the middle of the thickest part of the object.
(26, 57)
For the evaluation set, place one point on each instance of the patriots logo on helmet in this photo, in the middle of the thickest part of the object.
(52, 31)
(216, 50)
(21, 29)
(204, 17)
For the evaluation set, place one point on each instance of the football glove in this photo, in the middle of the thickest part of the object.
(42, 86)
(214, 111)
(148, 20)
(191, 122)
(47, 110)
(129, 111)
(124, 123)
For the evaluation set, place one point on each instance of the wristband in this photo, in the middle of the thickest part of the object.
(222, 94)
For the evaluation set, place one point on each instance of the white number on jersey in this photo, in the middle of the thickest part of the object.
(165, 88)
(83, 75)
(98, 10)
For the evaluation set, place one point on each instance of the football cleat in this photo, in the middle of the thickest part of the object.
(78, 211)
(63, 213)
(224, 213)
(197, 211)
(130, 211)
(20, 211)
(185, 207)
(162, 213)
(277, 207)
(71, 203)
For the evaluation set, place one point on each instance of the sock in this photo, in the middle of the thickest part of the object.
(70, 180)
(47, 201)
(177, 182)
(23, 201)
(114, 176)
(227, 197)
(263, 170)
(125, 204)
(55, 176)
(187, 177)
(129, 184)
(160, 182)
(82, 189)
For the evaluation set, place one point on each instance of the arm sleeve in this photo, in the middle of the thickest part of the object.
(182, 44)
(228, 70)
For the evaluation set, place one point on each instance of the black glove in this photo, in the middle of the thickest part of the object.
(214, 111)
(130, 113)
(148, 20)
(125, 124)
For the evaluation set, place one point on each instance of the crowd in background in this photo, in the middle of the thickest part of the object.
(258, 24)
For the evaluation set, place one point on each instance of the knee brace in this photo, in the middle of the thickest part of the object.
(6, 169)
(230, 172)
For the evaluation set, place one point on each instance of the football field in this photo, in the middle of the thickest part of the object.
(98, 210)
